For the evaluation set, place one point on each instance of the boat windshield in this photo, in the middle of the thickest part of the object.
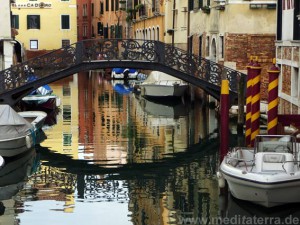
(274, 143)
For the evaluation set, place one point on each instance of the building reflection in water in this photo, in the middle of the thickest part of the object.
(105, 128)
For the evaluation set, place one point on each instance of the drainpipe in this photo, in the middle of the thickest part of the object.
(173, 25)
(188, 21)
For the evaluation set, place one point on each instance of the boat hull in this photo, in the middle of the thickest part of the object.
(262, 193)
(154, 90)
(40, 102)
(16, 146)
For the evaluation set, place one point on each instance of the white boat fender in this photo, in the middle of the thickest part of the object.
(28, 141)
(221, 180)
(1, 161)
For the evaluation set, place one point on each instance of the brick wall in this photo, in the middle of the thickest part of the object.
(286, 77)
(239, 48)
(32, 54)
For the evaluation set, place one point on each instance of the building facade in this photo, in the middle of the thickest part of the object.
(84, 19)
(288, 55)
(44, 26)
(109, 19)
(229, 32)
(148, 19)
(6, 39)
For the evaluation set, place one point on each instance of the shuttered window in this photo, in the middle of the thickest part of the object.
(65, 22)
(15, 21)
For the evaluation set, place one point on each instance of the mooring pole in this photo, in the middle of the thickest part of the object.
(255, 102)
(224, 118)
(273, 99)
(248, 103)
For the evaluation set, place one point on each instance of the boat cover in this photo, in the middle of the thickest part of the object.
(43, 90)
(122, 89)
(12, 124)
(157, 76)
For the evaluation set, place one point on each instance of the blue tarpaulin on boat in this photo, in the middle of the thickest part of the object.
(122, 89)
(43, 90)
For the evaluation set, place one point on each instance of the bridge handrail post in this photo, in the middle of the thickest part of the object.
(160, 52)
(79, 52)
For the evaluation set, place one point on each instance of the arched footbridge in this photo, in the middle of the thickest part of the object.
(108, 53)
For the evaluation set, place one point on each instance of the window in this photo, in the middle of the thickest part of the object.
(15, 21)
(85, 28)
(101, 8)
(106, 5)
(33, 21)
(92, 9)
(207, 46)
(112, 5)
(65, 22)
(100, 28)
(67, 139)
(34, 44)
(65, 43)
(84, 13)
(221, 44)
(200, 46)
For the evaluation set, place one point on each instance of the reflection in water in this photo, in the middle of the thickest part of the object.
(13, 177)
(118, 159)
(243, 212)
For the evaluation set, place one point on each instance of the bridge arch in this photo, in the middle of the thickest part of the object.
(108, 53)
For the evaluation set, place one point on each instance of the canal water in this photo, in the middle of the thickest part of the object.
(111, 157)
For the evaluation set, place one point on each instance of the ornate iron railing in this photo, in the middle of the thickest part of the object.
(117, 49)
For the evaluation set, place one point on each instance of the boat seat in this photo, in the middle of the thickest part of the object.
(272, 158)
(274, 162)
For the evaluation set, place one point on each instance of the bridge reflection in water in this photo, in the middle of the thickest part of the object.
(110, 158)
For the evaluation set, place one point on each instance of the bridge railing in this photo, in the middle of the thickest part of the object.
(117, 49)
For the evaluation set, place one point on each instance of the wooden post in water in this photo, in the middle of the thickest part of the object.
(255, 102)
(224, 114)
(248, 103)
(273, 99)
(241, 103)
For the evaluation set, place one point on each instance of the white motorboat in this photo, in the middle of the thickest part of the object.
(159, 84)
(36, 118)
(16, 134)
(268, 174)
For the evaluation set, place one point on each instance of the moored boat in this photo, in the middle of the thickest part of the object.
(159, 84)
(268, 174)
(36, 118)
(16, 134)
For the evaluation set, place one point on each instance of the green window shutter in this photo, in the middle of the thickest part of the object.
(38, 22)
(120, 31)
(112, 31)
(65, 22)
(15, 21)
